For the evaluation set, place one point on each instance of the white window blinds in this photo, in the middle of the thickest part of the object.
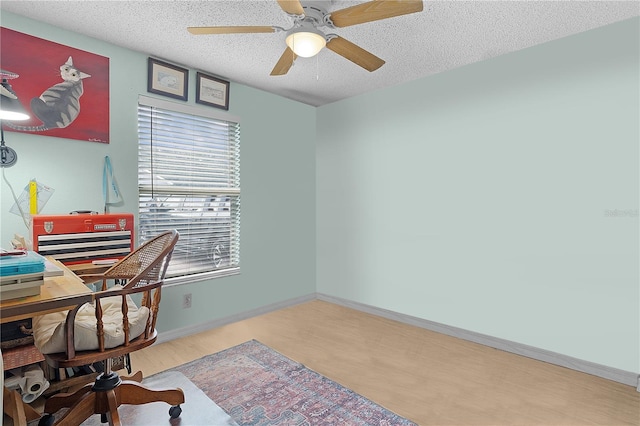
(189, 180)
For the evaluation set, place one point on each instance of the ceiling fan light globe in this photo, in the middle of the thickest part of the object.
(306, 44)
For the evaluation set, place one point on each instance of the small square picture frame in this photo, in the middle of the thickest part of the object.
(212, 91)
(167, 79)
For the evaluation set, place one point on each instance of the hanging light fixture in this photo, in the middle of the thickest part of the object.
(306, 41)
(10, 106)
(11, 110)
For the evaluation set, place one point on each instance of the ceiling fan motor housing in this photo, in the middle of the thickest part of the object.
(317, 15)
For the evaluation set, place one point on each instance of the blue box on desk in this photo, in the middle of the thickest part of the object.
(30, 263)
(21, 276)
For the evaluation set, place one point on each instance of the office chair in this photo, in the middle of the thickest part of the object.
(111, 326)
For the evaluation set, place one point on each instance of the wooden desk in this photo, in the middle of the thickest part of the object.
(58, 293)
(88, 268)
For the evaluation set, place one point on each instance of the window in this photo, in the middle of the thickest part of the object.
(189, 180)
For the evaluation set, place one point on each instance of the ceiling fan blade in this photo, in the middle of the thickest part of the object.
(355, 54)
(292, 7)
(374, 11)
(284, 63)
(230, 30)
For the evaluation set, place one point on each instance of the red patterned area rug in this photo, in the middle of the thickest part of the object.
(257, 386)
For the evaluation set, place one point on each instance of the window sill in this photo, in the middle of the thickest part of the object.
(188, 279)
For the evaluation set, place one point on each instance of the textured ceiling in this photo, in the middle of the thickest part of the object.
(445, 35)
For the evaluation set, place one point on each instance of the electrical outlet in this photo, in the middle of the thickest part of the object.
(186, 301)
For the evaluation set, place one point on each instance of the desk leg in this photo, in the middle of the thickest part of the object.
(20, 412)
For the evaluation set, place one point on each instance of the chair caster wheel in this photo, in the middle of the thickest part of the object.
(46, 420)
(175, 411)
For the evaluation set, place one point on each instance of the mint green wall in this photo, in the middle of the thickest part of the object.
(478, 198)
(277, 160)
(475, 198)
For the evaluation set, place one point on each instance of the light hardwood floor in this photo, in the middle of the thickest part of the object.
(424, 376)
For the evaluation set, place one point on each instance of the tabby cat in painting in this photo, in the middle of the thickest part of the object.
(59, 105)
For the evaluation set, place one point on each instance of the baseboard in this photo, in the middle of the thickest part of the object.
(610, 373)
(198, 328)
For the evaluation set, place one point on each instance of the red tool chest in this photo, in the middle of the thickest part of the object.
(83, 238)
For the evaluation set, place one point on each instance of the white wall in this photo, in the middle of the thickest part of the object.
(275, 165)
(480, 198)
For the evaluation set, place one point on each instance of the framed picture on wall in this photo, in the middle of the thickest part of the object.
(167, 79)
(212, 91)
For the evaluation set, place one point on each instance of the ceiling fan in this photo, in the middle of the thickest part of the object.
(305, 39)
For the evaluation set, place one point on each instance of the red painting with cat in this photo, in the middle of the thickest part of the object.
(64, 90)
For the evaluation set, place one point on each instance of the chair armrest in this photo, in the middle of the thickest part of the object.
(69, 331)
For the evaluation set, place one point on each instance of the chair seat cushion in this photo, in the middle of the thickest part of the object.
(48, 330)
